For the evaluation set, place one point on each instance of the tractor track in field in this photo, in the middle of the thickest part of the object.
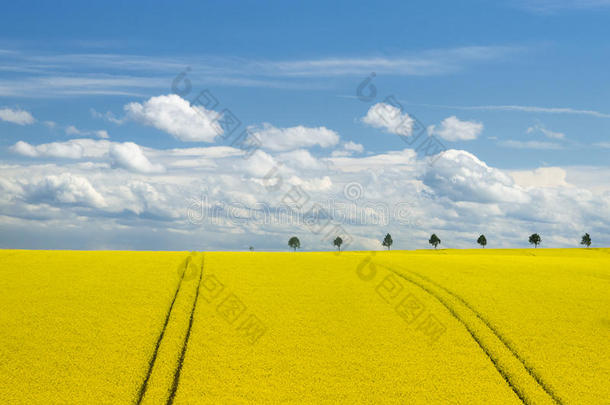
(508, 377)
(178, 370)
(153, 358)
(526, 365)
(176, 374)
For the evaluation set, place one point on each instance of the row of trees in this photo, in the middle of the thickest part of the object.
(434, 240)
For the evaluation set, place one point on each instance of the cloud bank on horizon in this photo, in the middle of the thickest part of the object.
(219, 197)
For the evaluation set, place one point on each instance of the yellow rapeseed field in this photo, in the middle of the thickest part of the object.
(448, 326)
(80, 327)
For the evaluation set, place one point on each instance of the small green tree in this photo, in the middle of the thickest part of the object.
(338, 242)
(535, 239)
(482, 240)
(387, 241)
(294, 243)
(251, 248)
(586, 240)
(434, 240)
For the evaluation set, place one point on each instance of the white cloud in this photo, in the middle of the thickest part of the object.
(207, 152)
(25, 149)
(461, 176)
(72, 130)
(605, 145)
(101, 134)
(65, 188)
(389, 118)
(177, 117)
(547, 132)
(300, 158)
(108, 116)
(404, 160)
(530, 145)
(453, 129)
(72, 149)
(349, 148)
(312, 184)
(61, 74)
(129, 155)
(353, 147)
(283, 139)
(541, 177)
(19, 117)
(528, 109)
(426, 63)
(456, 197)
(258, 165)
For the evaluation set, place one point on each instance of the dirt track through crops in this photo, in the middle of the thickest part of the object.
(510, 347)
(176, 381)
(524, 383)
(176, 319)
(153, 358)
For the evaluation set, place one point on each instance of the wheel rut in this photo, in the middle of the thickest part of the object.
(178, 370)
(160, 383)
(520, 377)
(530, 369)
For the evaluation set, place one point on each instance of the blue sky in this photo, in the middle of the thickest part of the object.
(518, 88)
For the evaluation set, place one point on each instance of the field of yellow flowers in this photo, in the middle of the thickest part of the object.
(448, 326)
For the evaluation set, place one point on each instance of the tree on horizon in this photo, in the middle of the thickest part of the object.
(482, 240)
(586, 240)
(294, 243)
(434, 240)
(338, 242)
(535, 239)
(387, 241)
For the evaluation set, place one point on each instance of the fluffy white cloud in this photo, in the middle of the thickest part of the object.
(258, 165)
(19, 117)
(129, 155)
(313, 184)
(349, 148)
(461, 176)
(453, 129)
(353, 147)
(177, 117)
(389, 118)
(72, 149)
(458, 197)
(300, 158)
(65, 188)
(25, 149)
(541, 177)
(283, 139)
